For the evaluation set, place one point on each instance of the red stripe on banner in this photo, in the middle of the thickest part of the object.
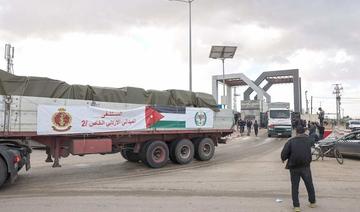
(152, 116)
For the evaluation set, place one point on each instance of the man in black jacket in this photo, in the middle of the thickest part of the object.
(248, 126)
(297, 152)
(256, 128)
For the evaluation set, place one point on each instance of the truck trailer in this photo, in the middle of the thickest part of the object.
(143, 126)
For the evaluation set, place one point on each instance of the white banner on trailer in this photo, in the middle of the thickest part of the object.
(86, 119)
(52, 119)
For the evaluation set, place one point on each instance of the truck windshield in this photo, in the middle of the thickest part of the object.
(355, 122)
(280, 114)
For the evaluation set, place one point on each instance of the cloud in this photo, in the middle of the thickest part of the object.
(319, 37)
(23, 18)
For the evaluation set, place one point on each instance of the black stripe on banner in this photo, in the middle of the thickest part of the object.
(170, 109)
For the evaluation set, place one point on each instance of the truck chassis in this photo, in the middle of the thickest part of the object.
(151, 147)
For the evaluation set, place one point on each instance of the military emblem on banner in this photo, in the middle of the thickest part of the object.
(61, 120)
(200, 119)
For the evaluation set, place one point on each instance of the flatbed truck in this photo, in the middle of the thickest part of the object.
(20, 117)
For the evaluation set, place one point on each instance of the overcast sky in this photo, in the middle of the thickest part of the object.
(144, 43)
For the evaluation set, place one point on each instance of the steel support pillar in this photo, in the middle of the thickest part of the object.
(297, 95)
(229, 97)
(215, 89)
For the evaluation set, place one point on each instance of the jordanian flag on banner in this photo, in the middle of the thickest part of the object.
(54, 119)
(182, 117)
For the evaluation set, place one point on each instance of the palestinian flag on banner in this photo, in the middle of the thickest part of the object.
(178, 117)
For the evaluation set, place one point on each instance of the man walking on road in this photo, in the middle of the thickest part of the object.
(256, 128)
(297, 152)
(242, 127)
(248, 126)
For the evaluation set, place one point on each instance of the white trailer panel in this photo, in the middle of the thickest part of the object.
(23, 112)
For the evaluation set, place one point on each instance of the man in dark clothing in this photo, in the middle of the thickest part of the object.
(242, 126)
(256, 128)
(238, 122)
(248, 126)
(297, 152)
(296, 122)
(303, 123)
(321, 130)
(321, 115)
(312, 132)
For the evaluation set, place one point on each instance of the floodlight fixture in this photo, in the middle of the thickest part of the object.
(222, 53)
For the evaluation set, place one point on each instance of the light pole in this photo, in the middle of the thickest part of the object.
(190, 54)
(222, 53)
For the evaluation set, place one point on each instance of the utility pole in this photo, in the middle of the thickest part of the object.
(9, 56)
(311, 104)
(190, 51)
(337, 91)
(307, 103)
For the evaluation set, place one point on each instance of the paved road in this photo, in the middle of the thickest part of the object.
(245, 175)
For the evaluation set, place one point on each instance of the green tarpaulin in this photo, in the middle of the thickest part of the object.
(44, 87)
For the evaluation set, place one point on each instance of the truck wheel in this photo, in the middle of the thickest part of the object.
(182, 151)
(129, 155)
(3, 172)
(269, 135)
(204, 149)
(155, 154)
(123, 154)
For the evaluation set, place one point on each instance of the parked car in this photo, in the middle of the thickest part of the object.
(350, 144)
(353, 125)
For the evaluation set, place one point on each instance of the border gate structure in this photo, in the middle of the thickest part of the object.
(271, 77)
(232, 80)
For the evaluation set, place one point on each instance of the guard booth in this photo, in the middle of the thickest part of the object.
(250, 110)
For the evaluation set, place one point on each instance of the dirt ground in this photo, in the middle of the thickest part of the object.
(246, 174)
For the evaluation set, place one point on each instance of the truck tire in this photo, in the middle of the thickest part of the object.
(123, 154)
(3, 171)
(155, 154)
(129, 155)
(182, 151)
(269, 135)
(204, 149)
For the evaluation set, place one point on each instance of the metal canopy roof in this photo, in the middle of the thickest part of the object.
(272, 80)
(280, 79)
(235, 82)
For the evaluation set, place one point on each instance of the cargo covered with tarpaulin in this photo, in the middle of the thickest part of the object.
(150, 126)
(45, 87)
(47, 106)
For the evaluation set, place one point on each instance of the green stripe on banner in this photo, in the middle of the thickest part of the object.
(169, 124)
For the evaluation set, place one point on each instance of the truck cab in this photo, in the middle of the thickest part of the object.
(354, 125)
(279, 122)
(13, 156)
